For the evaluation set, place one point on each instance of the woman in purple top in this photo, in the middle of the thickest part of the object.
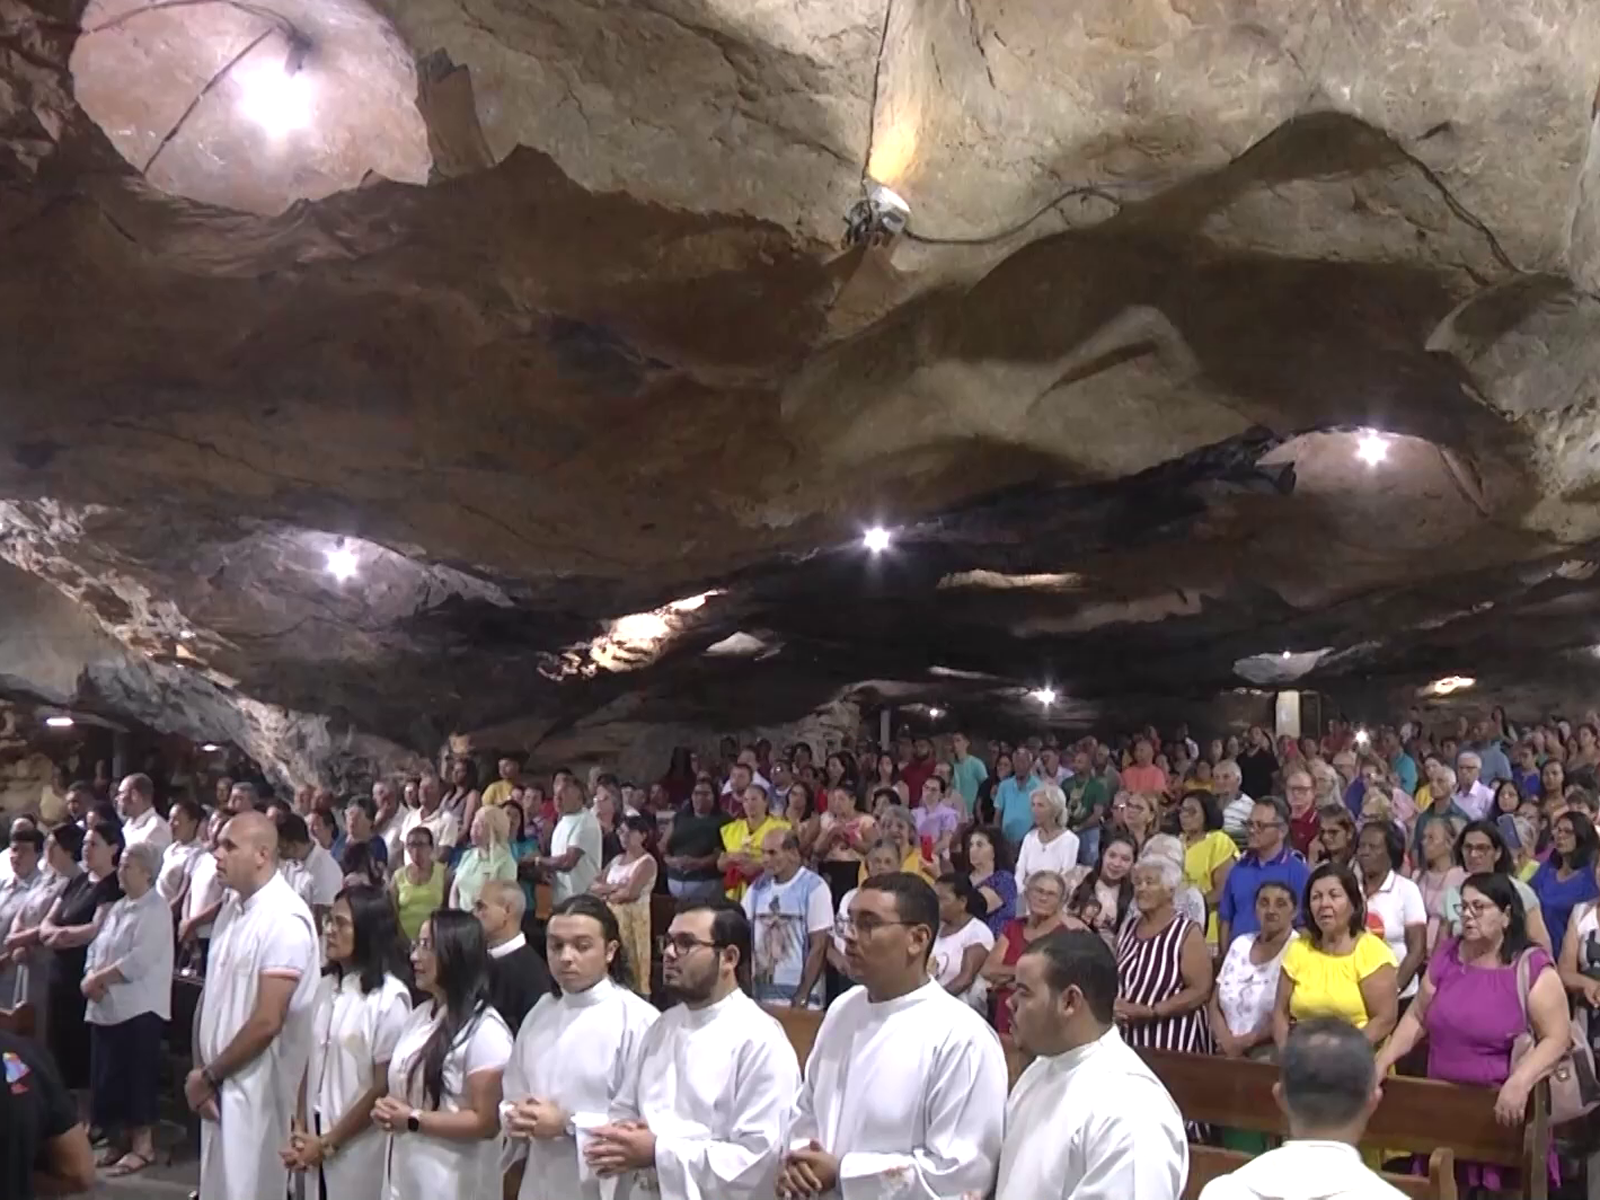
(1471, 1010)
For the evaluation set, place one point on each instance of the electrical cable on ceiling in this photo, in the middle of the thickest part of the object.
(1088, 189)
(299, 46)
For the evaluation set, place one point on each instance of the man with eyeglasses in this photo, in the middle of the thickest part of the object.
(905, 1088)
(703, 1113)
(1269, 856)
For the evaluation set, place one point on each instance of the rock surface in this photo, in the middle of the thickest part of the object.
(591, 351)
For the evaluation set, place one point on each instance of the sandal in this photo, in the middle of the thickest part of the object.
(130, 1163)
(112, 1156)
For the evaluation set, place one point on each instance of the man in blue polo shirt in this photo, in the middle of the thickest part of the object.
(1269, 857)
(967, 772)
(1013, 807)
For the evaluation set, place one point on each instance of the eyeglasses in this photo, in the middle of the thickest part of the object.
(1478, 908)
(862, 927)
(680, 944)
(1477, 848)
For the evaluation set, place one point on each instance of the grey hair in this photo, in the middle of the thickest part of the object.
(1056, 799)
(1466, 754)
(1448, 774)
(1163, 845)
(1170, 873)
(146, 856)
(899, 812)
(1229, 768)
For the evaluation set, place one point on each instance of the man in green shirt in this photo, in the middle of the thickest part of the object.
(967, 771)
(1088, 797)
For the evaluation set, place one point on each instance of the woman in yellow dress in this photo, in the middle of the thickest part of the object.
(1335, 968)
(625, 887)
(741, 841)
(1208, 854)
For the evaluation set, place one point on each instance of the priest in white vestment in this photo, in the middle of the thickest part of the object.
(254, 1035)
(574, 1051)
(905, 1089)
(704, 1113)
(1087, 1120)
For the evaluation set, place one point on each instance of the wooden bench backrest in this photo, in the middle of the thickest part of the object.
(801, 1027)
(18, 1021)
(1208, 1162)
(1417, 1115)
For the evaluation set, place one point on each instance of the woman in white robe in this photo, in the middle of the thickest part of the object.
(442, 1110)
(361, 1008)
(573, 1051)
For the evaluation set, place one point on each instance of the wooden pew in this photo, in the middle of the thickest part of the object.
(802, 1026)
(18, 1021)
(1443, 1121)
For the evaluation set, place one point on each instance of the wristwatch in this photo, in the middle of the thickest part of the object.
(414, 1122)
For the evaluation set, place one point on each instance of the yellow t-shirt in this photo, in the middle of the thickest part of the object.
(1329, 985)
(497, 793)
(737, 836)
(1200, 860)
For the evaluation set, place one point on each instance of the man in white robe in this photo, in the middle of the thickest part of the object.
(704, 1112)
(255, 1016)
(1087, 1120)
(1328, 1088)
(905, 1090)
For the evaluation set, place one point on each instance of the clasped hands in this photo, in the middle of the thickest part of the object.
(810, 1171)
(620, 1146)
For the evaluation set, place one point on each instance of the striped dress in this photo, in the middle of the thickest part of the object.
(1150, 970)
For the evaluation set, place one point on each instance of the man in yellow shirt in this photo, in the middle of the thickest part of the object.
(498, 792)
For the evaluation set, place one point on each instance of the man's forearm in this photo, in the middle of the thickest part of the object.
(247, 1045)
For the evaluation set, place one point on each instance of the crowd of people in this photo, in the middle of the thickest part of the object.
(384, 1013)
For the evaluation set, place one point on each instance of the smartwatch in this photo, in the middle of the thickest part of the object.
(414, 1122)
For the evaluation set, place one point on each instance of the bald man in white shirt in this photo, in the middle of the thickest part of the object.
(254, 1039)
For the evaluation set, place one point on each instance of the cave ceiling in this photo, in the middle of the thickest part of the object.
(538, 316)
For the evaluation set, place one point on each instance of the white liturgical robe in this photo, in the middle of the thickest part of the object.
(270, 934)
(574, 1050)
(1092, 1124)
(353, 1031)
(716, 1086)
(909, 1095)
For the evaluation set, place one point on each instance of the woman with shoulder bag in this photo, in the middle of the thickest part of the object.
(1480, 998)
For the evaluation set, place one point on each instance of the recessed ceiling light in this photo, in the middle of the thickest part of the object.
(1450, 683)
(211, 747)
(936, 713)
(342, 563)
(59, 722)
(279, 102)
(1288, 654)
(876, 539)
(1373, 447)
(1044, 695)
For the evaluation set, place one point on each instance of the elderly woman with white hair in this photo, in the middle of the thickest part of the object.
(1188, 900)
(128, 985)
(1163, 967)
(1049, 845)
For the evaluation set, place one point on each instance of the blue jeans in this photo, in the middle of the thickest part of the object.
(695, 889)
(1089, 846)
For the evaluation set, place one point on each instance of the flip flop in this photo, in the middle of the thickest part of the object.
(129, 1164)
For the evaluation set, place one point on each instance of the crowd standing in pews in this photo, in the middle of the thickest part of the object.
(384, 1007)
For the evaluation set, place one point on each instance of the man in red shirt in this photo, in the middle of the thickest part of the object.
(915, 773)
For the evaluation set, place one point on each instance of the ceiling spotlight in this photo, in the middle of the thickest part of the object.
(876, 539)
(935, 713)
(342, 563)
(1362, 737)
(1373, 447)
(59, 722)
(1045, 695)
(186, 635)
(1288, 654)
(877, 218)
(277, 98)
(1450, 683)
(210, 747)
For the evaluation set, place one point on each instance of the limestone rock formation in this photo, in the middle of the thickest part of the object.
(536, 320)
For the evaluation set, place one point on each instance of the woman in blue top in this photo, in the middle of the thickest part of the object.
(983, 850)
(1567, 879)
